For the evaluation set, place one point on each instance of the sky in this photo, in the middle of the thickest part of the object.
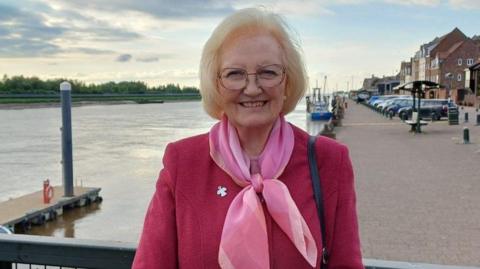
(160, 41)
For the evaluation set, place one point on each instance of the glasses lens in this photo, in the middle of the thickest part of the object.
(270, 76)
(233, 78)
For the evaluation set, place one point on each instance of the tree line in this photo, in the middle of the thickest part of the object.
(34, 85)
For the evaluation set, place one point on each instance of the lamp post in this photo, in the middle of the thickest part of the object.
(449, 76)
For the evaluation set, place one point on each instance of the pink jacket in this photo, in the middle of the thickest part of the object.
(184, 220)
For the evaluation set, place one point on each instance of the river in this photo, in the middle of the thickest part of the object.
(118, 148)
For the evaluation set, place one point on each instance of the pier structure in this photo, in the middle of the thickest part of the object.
(22, 212)
(36, 208)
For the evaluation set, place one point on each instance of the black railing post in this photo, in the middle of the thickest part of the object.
(5, 265)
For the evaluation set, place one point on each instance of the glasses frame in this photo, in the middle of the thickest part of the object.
(219, 76)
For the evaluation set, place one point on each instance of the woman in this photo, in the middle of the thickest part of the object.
(240, 196)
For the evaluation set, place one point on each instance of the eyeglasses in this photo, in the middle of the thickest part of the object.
(266, 77)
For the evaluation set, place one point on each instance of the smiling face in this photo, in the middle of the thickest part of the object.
(254, 106)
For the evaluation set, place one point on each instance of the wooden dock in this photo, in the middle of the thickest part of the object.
(30, 209)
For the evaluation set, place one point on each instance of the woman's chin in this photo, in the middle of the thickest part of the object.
(255, 123)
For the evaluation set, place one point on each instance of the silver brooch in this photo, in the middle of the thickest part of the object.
(221, 191)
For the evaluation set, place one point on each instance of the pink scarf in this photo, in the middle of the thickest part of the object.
(244, 242)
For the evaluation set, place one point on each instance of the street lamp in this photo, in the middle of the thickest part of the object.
(449, 76)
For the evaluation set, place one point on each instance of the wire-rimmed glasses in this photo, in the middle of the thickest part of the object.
(267, 76)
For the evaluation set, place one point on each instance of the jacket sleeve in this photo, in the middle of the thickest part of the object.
(345, 251)
(158, 242)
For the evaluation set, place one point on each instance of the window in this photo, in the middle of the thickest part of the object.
(459, 77)
(459, 61)
(469, 62)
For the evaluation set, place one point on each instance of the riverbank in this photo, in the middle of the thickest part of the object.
(14, 106)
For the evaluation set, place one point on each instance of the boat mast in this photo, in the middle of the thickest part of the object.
(324, 88)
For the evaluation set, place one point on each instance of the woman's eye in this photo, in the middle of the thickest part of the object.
(267, 73)
(235, 74)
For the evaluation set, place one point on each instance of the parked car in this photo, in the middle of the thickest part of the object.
(4, 230)
(381, 106)
(434, 109)
(362, 97)
(384, 98)
(393, 108)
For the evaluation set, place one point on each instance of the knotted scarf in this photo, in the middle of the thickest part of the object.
(244, 241)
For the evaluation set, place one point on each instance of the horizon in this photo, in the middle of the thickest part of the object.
(160, 43)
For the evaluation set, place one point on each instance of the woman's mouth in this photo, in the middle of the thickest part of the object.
(253, 104)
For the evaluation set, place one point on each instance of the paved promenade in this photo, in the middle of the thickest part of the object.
(418, 194)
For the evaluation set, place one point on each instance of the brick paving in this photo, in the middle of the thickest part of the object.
(418, 194)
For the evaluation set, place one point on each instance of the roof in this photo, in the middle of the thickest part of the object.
(475, 67)
(453, 48)
(417, 85)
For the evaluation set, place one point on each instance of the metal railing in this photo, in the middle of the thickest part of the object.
(28, 251)
(17, 250)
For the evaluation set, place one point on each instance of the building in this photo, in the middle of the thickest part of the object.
(444, 60)
(381, 86)
(369, 85)
(386, 84)
(473, 84)
(406, 72)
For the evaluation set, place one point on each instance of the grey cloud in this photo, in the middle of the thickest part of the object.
(101, 33)
(25, 33)
(26, 48)
(123, 58)
(91, 51)
(148, 59)
(154, 57)
(160, 8)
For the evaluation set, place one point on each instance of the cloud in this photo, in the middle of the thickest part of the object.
(161, 9)
(291, 8)
(123, 58)
(91, 51)
(430, 3)
(466, 4)
(147, 59)
(155, 57)
(24, 34)
(40, 30)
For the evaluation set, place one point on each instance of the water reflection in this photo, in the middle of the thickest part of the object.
(64, 225)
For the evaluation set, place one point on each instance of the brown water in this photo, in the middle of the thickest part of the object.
(116, 147)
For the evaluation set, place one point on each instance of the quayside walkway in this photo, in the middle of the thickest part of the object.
(418, 194)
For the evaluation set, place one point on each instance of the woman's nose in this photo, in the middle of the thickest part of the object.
(252, 87)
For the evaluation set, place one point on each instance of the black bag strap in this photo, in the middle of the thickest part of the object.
(312, 160)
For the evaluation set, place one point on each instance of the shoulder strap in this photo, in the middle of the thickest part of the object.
(312, 160)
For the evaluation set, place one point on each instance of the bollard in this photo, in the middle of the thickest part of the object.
(478, 119)
(67, 159)
(466, 135)
(390, 115)
(466, 116)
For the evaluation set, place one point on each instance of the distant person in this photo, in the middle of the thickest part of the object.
(240, 196)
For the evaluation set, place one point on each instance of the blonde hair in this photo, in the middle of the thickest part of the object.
(251, 20)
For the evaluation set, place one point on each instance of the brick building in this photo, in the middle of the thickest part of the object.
(405, 72)
(444, 60)
(473, 84)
